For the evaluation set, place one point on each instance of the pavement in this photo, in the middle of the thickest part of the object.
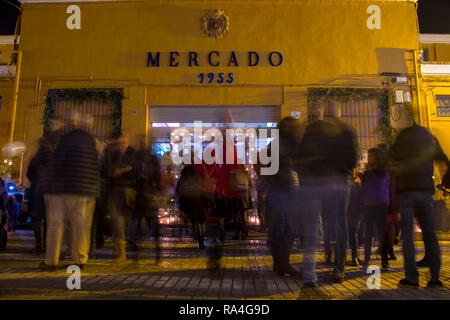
(182, 273)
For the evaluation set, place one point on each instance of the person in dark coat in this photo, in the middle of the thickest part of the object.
(119, 172)
(327, 156)
(376, 183)
(148, 192)
(70, 184)
(36, 205)
(414, 150)
(189, 191)
(282, 192)
(354, 219)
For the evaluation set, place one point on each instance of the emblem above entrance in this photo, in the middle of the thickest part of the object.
(215, 24)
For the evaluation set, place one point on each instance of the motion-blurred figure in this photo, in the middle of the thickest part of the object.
(376, 183)
(282, 194)
(327, 156)
(36, 205)
(354, 218)
(148, 191)
(71, 184)
(189, 191)
(120, 175)
(415, 149)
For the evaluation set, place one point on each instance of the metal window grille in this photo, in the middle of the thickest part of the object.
(102, 113)
(443, 106)
(363, 116)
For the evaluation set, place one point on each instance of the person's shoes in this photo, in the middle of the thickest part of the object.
(435, 284)
(422, 263)
(365, 265)
(355, 262)
(407, 284)
(290, 270)
(81, 266)
(309, 285)
(385, 266)
(339, 277)
(47, 267)
(393, 257)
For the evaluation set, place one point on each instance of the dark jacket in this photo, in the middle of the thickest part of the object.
(47, 146)
(415, 149)
(328, 147)
(115, 160)
(192, 206)
(74, 166)
(35, 197)
(286, 177)
(376, 187)
(148, 186)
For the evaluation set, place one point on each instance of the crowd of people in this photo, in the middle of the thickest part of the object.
(317, 193)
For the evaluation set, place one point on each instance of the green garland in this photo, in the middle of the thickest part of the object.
(114, 96)
(348, 94)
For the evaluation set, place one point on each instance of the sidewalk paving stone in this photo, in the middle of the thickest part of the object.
(245, 273)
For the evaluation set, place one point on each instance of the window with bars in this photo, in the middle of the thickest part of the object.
(443, 106)
(102, 112)
(363, 116)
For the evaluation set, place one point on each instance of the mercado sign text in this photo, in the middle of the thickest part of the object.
(214, 59)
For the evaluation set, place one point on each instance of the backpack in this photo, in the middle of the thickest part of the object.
(190, 185)
(238, 181)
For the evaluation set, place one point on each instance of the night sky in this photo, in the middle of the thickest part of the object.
(434, 16)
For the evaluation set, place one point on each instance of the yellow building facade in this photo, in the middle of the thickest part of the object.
(7, 80)
(259, 59)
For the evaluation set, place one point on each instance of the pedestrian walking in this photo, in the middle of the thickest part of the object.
(148, 192)
(189, 191)
(281, 204)
(354, 218)
(376, 183)
(327, 157)
(415, 149)
(119, 171)
(71, 184)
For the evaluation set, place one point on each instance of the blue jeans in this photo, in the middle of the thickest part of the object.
(326, 195)
(419, 204)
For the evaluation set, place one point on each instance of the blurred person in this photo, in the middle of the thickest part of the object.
(98, 222)
(261, 203)
(47, 145)
(376, 183)
(354, 218)
(11, 208)
(189, 191)
(393, 215)
(327, 157)
(148, 190)
(70, 185)
(415, 149)
(120, 182)
(36, 204)
(240, 200)
(282, 192)
(3, 213)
